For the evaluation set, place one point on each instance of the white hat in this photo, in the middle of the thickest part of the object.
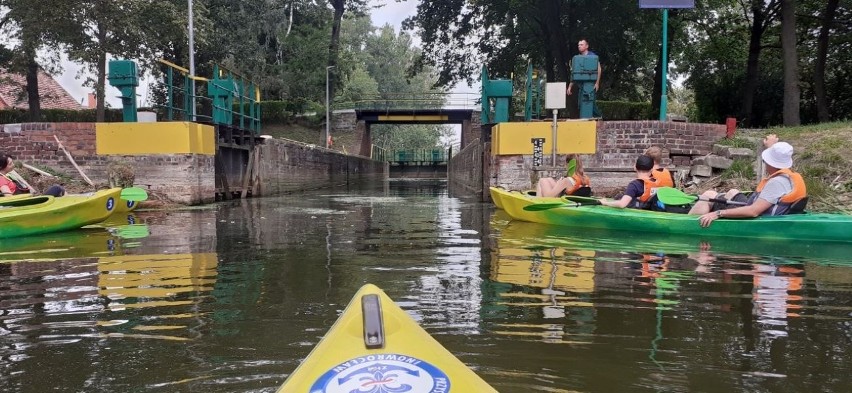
(779, 155)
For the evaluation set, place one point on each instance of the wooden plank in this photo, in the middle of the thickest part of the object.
(36, 170)
(67, 154)
(247, 175)
(223, 177)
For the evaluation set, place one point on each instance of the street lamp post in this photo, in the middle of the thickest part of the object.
(327, 107)
(191, 31)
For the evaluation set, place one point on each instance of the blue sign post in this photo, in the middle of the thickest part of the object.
(665, 5)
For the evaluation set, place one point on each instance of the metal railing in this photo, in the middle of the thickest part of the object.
(180, 85)
(418, 155)
(226, 90)
(414, 101)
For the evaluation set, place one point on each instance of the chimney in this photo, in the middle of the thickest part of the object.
(92, 102)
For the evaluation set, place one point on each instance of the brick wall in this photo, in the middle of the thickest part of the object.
(618, 145)
(288, 166)
(184, 178)
(620, 142)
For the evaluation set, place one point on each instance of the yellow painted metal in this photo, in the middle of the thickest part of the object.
(404, 118)
(341, 363)
(515, 262)
(155, 138)
(145, 280)
(572, 137)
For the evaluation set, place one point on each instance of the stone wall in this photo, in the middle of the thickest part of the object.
(289, 166)
(184, 178)
(466, 168)
(619, 143)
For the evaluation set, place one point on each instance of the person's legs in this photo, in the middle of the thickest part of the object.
(703, 206)
(55, 190)
(545, 187)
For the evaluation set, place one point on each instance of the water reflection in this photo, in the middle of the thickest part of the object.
(712, 304)
(231, 297)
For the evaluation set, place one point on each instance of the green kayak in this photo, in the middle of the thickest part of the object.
(45, 214)
(793, 227)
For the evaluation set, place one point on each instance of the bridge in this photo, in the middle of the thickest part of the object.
(417, 163)
(358, 117)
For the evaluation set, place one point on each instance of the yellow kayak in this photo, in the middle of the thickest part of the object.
(376, 347)
(44, 214)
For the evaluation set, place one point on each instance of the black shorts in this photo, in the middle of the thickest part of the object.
(724, 206)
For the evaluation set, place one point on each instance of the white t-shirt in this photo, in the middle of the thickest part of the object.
(776, 188)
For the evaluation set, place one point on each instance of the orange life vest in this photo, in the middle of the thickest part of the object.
(650, 186)
(664, 177)
(783, 206)
(580, 181)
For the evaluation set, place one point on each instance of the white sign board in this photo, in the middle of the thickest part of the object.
(555, 95)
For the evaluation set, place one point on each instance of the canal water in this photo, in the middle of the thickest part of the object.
(230, 298)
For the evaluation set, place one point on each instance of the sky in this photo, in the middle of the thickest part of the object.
(391, 12)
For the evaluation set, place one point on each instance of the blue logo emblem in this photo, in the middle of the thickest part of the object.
(110, 204)
(383, 373)
(130, 204)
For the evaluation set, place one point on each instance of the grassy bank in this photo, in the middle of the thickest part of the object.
(822, 157)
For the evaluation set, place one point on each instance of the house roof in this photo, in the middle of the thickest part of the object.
(13, 92)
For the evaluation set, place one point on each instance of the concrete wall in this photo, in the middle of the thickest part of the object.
(288, 166)
(185, 178)
(467, 167)
(285, 166)
(619, 143)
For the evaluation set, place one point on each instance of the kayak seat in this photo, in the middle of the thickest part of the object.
(585, 191)
(799, 206)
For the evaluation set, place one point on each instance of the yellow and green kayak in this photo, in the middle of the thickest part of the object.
(44, 214)
(791, 227)
(375, 346)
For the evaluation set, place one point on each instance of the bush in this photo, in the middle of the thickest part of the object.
(12, 116)
(623, 110)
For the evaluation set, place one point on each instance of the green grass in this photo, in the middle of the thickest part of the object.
(739, 169)
(789, 132)
(737, 142)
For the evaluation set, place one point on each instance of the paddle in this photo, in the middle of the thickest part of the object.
(572, 167)
(675, 197)
(577, 201)
(583, 200)
(135, 194)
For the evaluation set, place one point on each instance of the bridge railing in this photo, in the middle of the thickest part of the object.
(418, 155)
(414, 101)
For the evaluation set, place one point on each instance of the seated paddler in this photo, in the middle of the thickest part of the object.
(11, 185)
(571, 184)
(781, 191)
(640, 191)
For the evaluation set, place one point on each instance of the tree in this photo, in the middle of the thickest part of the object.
(121, 29)
(339, 7)
(822, 53)
(459, 36)
(763, 15)
(35, 25)
(792, 93)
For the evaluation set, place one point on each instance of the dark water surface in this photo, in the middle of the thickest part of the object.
(229, 298)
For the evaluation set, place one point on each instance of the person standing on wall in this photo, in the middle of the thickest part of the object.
(583, 47)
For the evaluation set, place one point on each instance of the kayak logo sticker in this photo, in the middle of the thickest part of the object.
(383, 373)
(110, 204)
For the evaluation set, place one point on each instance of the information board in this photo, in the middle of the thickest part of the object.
(538, 151)
(666, 3)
